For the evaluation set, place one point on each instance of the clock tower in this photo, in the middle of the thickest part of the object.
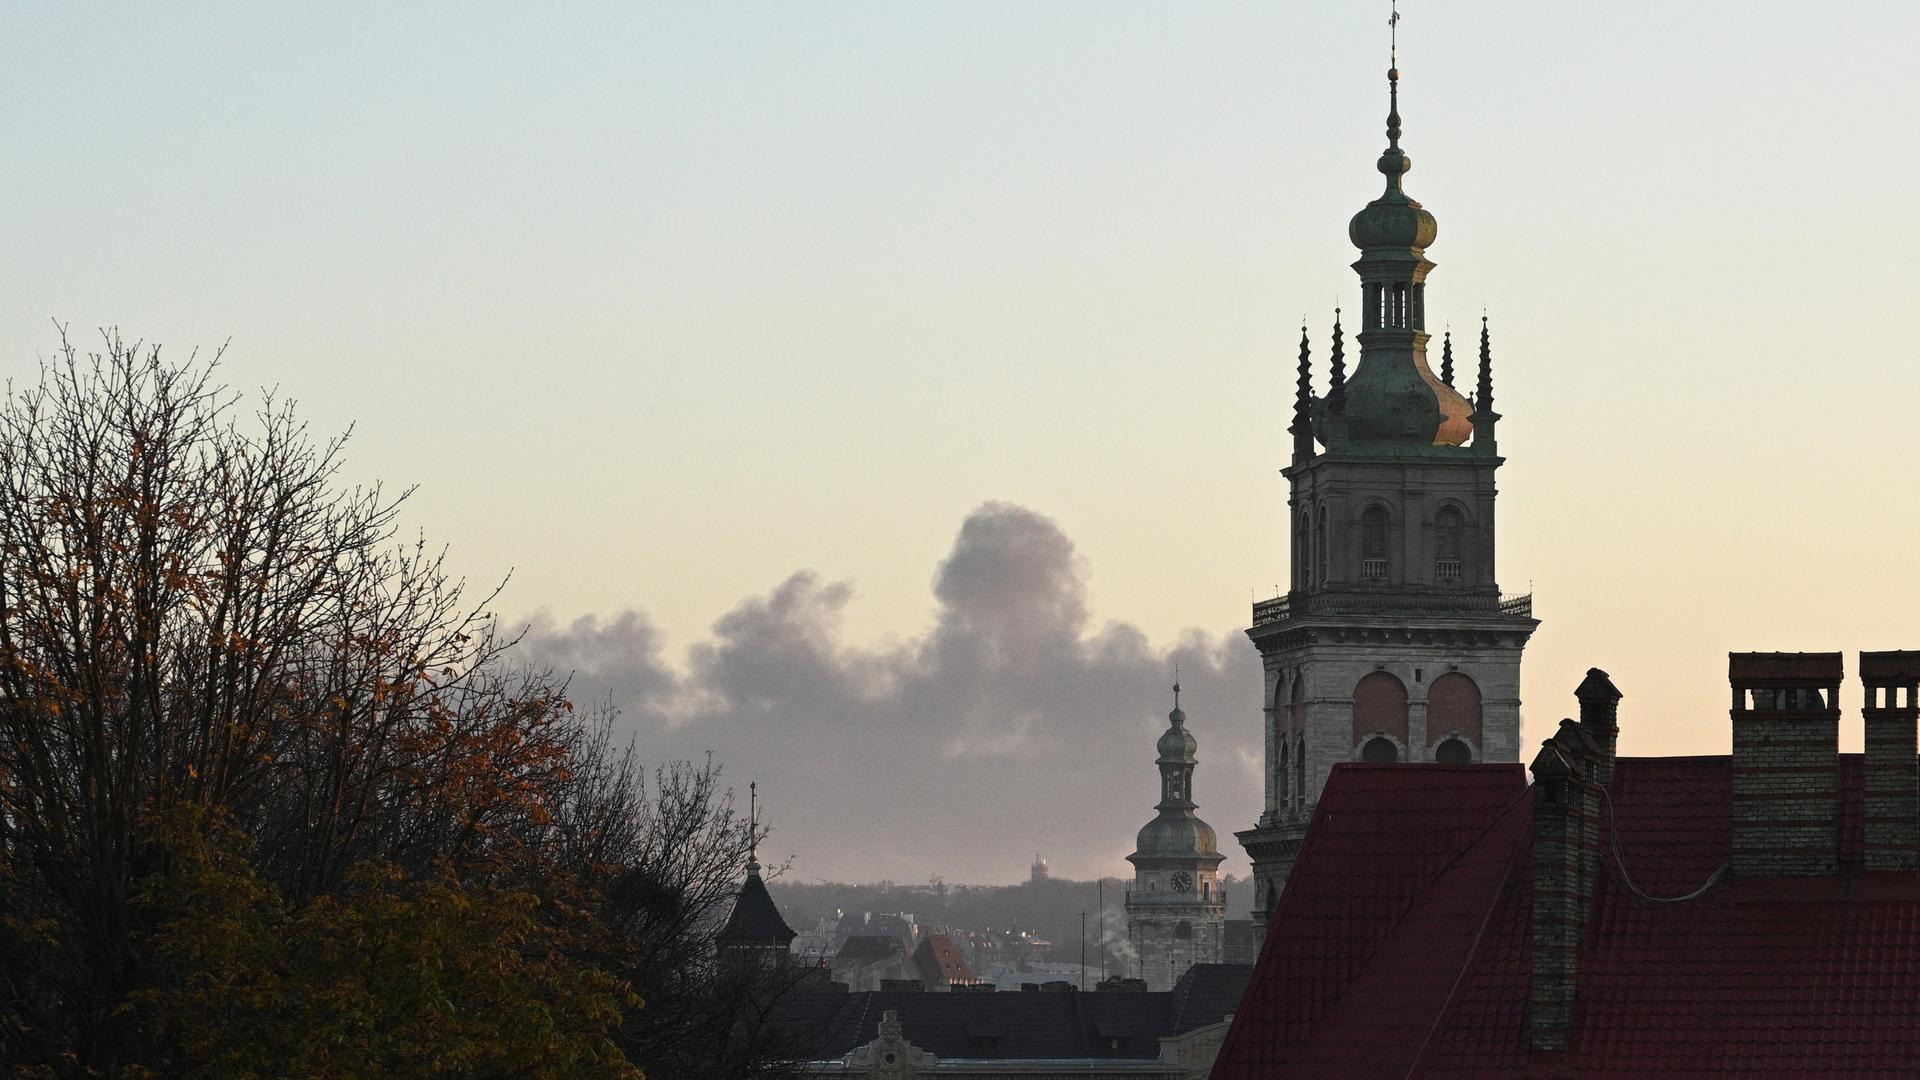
(1176, 915)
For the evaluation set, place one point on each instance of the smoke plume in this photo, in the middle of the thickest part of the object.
(1011, 726)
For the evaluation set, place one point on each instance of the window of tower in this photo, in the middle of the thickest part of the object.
(1373, 543)
(1380, 750)
(1303, 553)
(1320, 549)
(1281, 774)
(1453, 752)
(1183, 931)
(1449, 544)
(1453, 711)
(1380, 709)
(1299, 772)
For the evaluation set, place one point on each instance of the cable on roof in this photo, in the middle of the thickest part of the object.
(1613, 832)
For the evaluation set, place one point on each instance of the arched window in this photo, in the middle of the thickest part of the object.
(1282, 775)
(1373, 543)
(1379, 708)
(1449, 544)
(1303, 552)
(1453, 752)
(1299, 773)
(1453, 711)
(1380, 750)
(1320, 549)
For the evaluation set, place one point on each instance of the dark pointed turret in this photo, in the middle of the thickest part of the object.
(1337, 365)
(1446, 359)
(1483, 399)
(755, 933)
(1302, 428)
(1484, 417)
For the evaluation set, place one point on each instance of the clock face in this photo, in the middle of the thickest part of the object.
(1182, 881)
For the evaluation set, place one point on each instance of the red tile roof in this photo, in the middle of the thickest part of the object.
(1400, 947)
(940, 962)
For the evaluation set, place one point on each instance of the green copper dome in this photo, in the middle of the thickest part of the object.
(1177, 746)
(1177, 835)
(1394, 221)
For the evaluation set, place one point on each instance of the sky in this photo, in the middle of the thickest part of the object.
(883, 396)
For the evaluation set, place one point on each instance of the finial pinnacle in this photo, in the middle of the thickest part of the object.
(753, 829)
(1446, 358)
(1302, 426)
(1337, 389)
(1483, 398)
(1393, 35)
(1393, 76)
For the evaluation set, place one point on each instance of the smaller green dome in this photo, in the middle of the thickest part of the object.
(1177, 746)
(1174, 834)
(1394, 221)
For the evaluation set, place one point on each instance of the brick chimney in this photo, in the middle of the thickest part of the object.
(1600, 718)
(1566, 824)
(1892, 684)
(1786, 763)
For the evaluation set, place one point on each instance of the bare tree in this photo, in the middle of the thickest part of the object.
(195, 615)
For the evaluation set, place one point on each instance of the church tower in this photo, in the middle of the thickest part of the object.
(1176, 915)
(1393, 642)
(756, 941)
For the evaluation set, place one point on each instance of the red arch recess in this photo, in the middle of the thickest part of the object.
(1380, 705)
(1453, 705)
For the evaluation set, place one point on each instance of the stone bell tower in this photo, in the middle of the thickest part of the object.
(1176, 914)
(1393, 642)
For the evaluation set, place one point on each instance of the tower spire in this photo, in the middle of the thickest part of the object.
(1484, 397)
(1302, 428)
(1393, 163)
(1446, 358)
(1337, 391)
(753, 829)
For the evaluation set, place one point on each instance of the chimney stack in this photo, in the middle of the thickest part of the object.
(1892, 684)
(1566, 834)
(1600, 718)
(1786, 763)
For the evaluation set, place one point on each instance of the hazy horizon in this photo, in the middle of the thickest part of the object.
(885, 396)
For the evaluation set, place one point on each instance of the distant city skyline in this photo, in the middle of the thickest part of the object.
(726, 331)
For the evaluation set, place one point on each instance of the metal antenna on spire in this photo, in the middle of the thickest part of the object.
(753, 827)
(1393, 36)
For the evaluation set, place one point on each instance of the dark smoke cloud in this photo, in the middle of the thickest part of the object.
(1012, 726)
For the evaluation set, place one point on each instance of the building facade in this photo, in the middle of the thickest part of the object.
(1176, 914)
(1393, 641)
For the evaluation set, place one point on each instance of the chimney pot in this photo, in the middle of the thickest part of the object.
(1892, 684)
(1786, 763)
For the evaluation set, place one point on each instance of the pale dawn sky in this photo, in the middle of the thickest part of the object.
(662, 305)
